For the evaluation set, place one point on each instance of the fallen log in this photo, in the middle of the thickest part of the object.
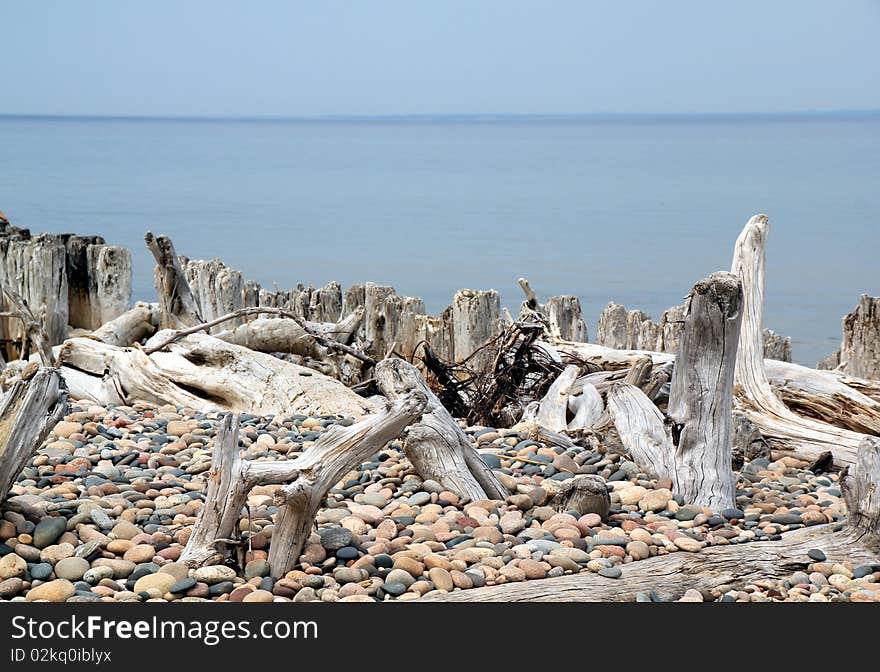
(320, 335)
(828, 396)
(202, 372)
(824, 396)
(131, 327)
(436, 445)
(308, 479)
(28, 412)
(720, 568)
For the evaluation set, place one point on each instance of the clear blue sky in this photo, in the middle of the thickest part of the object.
(322, 57)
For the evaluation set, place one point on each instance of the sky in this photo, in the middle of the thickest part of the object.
(325, 57)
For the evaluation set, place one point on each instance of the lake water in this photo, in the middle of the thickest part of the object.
(630, 210)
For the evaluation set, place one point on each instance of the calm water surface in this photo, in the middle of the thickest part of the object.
(628, 210)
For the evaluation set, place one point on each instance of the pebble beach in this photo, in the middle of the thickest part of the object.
(121, 488)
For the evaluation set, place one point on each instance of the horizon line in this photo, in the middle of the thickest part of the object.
(453, 116)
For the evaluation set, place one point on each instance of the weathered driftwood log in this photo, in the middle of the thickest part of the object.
(584, 494)
(436, 445)
(177, 305)
(309, 478)
(720, 568)
(824, 396)
(130, 327)
(587, 407)
(322, 334)
(692, 445)
(553, 408)
(28, 412)
(202, 372)
(783, 430)
(644, 431)
(267, 334)
(860, 349)
(829, 396)
(323, 465)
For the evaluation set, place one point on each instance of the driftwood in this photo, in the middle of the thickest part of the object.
(436, 445)
(476, 320)
(553, 408)
(98, 281)
(562, 315)
(830, 396)
(860, 349)
(28, 412)
(308, 479)
(587, 407)
(36, 269)
(701, 396)
(720, 568)
(202, 372)
(692, 444)
(130, 327)
(177, 306)
(37, 339)
(846, 403)
(825, 396)
(782, 429)
(322, 335)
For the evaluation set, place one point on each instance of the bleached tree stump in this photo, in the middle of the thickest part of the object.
(701, 396)
(436, 445)
(28, 412)
(98, 281)
(776, 346)
(476, 320)
(216, 288)
(692, 444)
(177, 305)
(860, 350)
